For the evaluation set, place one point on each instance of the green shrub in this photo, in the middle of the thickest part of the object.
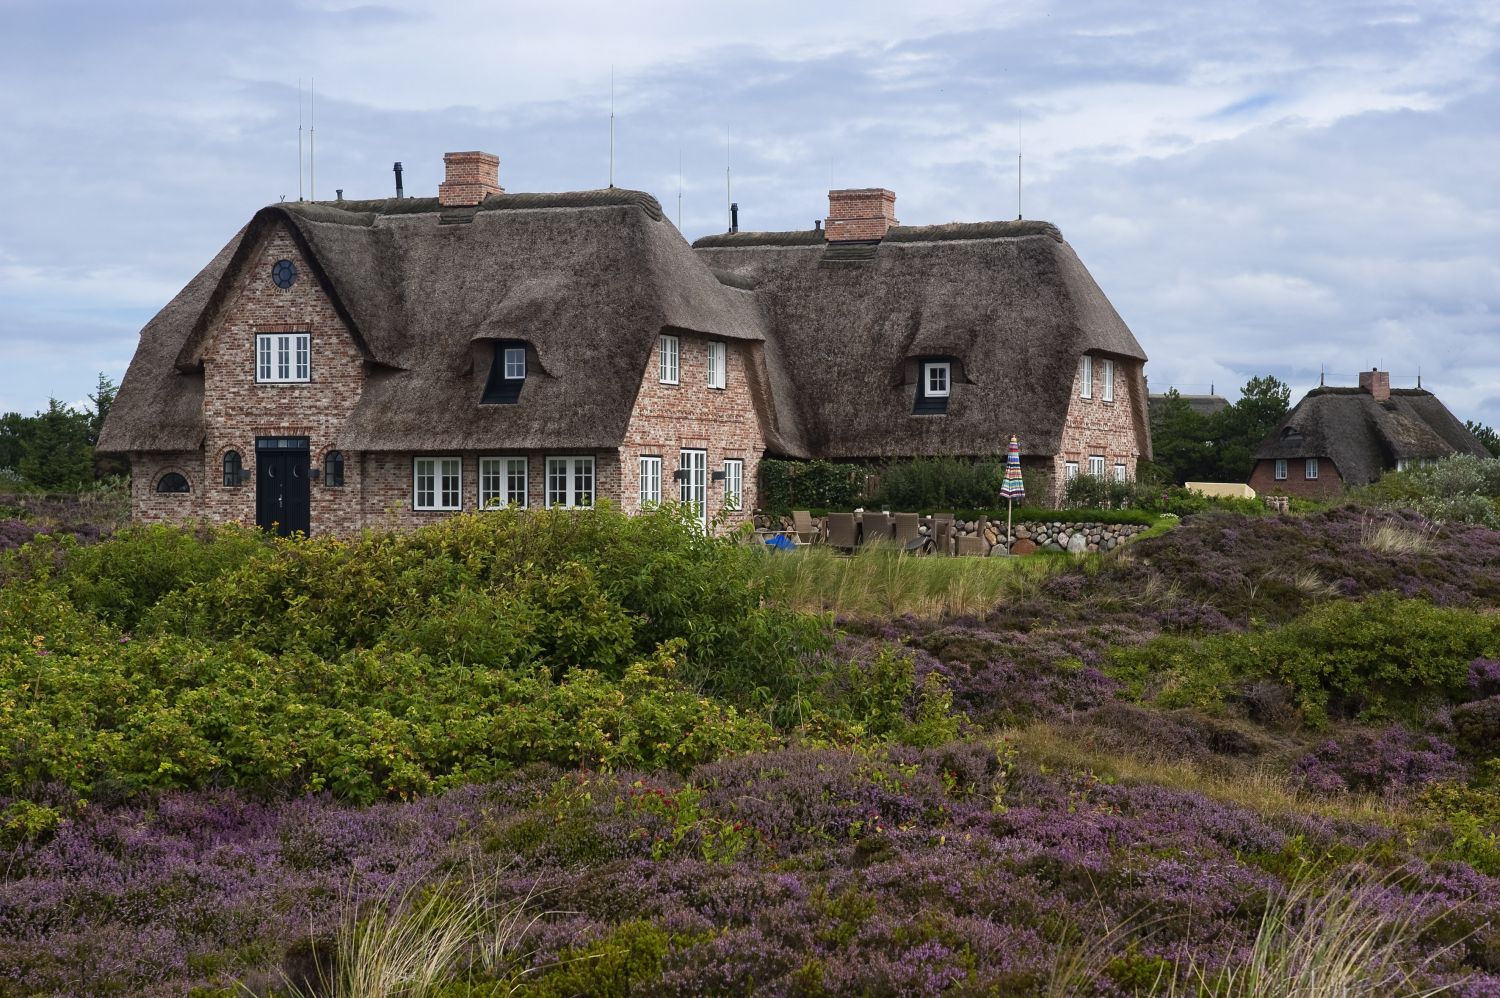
(1462, 489)
(1382, 656)
(788, 485)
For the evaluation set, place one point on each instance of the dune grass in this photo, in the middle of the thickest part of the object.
(883, 580)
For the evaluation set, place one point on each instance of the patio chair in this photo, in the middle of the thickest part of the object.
(804, 527)
(906, 529)
(971, 544)
(841, 532)
(942, 533)
(878, 528)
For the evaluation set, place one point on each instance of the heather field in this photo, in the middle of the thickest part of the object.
(596, 755)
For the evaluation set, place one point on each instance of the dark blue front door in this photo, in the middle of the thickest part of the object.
(282, 490)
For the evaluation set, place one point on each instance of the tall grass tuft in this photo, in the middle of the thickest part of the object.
(1390, 537)
(884, 580)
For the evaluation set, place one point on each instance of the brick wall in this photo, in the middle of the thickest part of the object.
(860, 214)
(689, 414)
(1096, 427)
(149, 506)
(237, 409)
(1327, 485)
(469, 178)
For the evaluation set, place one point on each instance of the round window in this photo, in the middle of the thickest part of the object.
(284, 273)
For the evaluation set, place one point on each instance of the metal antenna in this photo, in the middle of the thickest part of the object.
(728, 187)
(299, 138)
(611, 125)
(312, 140)
(1018, 166)
(679, 188)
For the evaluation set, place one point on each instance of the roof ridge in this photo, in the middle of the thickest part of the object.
(365, 212)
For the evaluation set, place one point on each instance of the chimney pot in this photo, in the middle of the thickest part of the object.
(469, 178)
(1377, 383)
(861, 214)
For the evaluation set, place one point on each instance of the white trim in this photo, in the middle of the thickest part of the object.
(1096, 465)
(1109, 380)
(669, 349)
(1070, 470)
(443, 470)
(1120, 473)
(573, 472)
(499, 482)
(1085, 377)
(515, 364)
(734, 484)
(929, 370)
(1310, 469)
(693, 490)
(1280, 472)
(283, 358)
(718, 364)
(650, 481)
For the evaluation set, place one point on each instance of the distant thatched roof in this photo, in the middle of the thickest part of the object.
(1010, 300)
(589, 279)
(1364, 437)
(1203, 405)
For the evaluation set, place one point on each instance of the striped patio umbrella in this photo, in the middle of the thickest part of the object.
(1013, 487)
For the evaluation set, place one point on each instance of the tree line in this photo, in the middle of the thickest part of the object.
(53, 450)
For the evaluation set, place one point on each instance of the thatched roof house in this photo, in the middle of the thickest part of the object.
(1351, 436)
(421, 355)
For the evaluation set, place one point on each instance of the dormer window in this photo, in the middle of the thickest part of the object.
(507, 374)
(934, 385)
(283, 357)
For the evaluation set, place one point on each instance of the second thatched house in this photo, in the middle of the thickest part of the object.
(354, 363)
(1351, 436)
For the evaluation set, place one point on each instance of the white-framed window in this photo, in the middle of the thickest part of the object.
(283, 357)
(717, 364)
(1096, 465)
(734, 485)
(1070, 470)
(1311, 471)
(502, 482)
(667, 362)
(570, 482)
(650, 481)
(693, 486)
(515, 363)
(1086, 377)
(1281, 469)
(1109, 380)
(1119, 473)
(437, 483)
(937, 378)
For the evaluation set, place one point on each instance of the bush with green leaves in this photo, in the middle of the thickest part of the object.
(1380, 657)
(1459, 489)
(788, 485)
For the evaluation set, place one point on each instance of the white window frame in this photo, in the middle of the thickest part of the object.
(1280, 471)
(932, 368)
(1096, 465)
(515, 364)
(1070, 470)
(1086, 377)
(650, 481)
(1109, 380)
(572, 466)
(1120, 473)
(497, 481)
(693, 490)
(734, 484)
(442, 472)
(1310, 469)
(718, 364)
(283, 358)
(670, 351)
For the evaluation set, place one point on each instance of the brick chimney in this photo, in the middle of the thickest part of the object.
(470, 178)
(860, 215)
(1377, 383)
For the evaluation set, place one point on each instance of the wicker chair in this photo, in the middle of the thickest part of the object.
(907, 533)
(878, 527)
(841, 531)
(804, 527)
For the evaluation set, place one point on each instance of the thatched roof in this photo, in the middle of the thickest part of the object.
(589, 279)
(1364, 437)
(1010, 300)
(1203, 405)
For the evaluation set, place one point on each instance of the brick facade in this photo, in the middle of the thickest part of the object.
(860, 214)
(1096, 427)
(691, 415)
(469, 178)
(1328, 485)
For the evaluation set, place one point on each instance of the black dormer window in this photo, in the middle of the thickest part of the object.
(507, 374)
(934, 386)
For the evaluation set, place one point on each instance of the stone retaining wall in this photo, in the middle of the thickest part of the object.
(988, 537)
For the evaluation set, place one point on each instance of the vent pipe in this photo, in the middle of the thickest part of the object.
(338, 194)
(397, 169)
(734, 217)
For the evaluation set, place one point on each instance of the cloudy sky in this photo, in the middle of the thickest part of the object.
(1258, 187)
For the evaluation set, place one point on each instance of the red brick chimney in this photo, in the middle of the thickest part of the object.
(471, 177)
(862, 214)
(1377, 383)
